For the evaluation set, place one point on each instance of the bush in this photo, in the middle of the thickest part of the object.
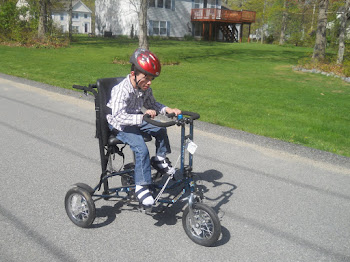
(8, 20)
(299, 39)
(346, 68)
(189, 38)
(17, 27)
(270, 39)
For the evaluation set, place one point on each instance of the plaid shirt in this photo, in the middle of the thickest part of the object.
(126, 103)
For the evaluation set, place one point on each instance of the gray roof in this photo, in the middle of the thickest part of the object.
(64, 5)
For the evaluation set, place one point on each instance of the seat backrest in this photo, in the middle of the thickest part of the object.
(104, 88)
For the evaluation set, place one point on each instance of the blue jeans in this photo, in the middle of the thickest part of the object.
(132, 135)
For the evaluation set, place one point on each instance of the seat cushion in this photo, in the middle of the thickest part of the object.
(113, 140)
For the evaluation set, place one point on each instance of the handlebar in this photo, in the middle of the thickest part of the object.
(86, 89)
(180, 120)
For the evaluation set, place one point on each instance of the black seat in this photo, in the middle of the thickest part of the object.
(104, 87)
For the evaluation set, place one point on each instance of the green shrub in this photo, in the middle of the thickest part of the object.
(270, 39)
(189, 38)
(346, 68)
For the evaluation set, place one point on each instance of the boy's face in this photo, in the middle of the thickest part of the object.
(144, 81)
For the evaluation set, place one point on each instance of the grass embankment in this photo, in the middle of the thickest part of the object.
(249, 87)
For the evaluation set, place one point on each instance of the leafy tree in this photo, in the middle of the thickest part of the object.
(11, 27)
(262, 9)
(8, 18)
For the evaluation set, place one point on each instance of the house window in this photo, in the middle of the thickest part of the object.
(75, 29)
(85, 16)
(152, 3)
(197, 3)
(211, 3)
(75, 15)
(160, 28)
(168, 4)
(62, 17)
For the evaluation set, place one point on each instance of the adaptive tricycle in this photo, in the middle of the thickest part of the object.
(199, 221)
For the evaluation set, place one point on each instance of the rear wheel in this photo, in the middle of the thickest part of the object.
(80, 207)
(204, 228)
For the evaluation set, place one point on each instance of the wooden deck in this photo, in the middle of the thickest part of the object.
(222, 15)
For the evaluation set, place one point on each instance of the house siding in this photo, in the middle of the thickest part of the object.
(179, 17)
(116, 16)
(119, 16)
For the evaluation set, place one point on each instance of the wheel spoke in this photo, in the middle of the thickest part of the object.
(202, 226)
(79, 207)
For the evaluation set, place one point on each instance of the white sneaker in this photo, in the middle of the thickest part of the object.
(144, 196)
(162, 165)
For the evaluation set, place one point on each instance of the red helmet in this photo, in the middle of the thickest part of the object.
(146, 62)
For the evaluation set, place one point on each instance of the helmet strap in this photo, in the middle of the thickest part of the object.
(137, 83)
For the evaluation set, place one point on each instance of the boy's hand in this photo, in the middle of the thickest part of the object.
(151, 113)
(173, 110)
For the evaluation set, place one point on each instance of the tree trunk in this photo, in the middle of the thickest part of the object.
(302, 22)
(343, 20)
(313, 16)
(70, 13)
(284, 23)
(320, 43)
(263, 21)
(42, 27)
(143, 41)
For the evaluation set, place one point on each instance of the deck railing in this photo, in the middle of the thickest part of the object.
(214, 14)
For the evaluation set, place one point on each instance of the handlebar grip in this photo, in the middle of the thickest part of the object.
(79, 87)
(170, 115)
(86, 89)
(193, 115)
(149, 120)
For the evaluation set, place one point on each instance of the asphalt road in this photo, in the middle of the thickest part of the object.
(277, 201)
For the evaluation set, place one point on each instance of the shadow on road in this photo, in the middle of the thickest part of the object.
(105, 215)
(170, 216)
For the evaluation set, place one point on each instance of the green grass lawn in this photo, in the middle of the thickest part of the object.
(249, 87)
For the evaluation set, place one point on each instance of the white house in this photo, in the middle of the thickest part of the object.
(165, 17)
(81, 18)
(173, 18)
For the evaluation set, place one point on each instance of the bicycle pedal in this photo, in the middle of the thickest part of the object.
(157, 176)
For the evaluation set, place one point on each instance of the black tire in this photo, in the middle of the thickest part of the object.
(206, 228)
(80, 207)
(89, 189)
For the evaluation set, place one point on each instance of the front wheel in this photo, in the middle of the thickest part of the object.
(204, 228)
(80, 207)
